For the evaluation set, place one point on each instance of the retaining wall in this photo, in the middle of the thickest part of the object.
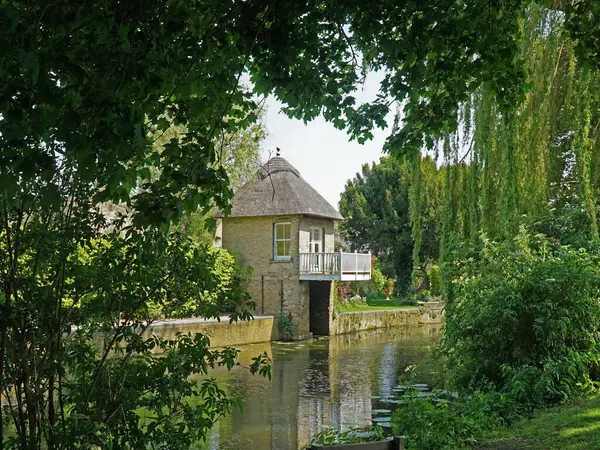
(266, 328)
(223, 333)
(350, 322)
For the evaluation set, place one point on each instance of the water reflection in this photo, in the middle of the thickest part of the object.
(338, 381)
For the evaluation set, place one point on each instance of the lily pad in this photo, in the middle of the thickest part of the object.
(422, 394)
(393, 401)
(382, 419)
(381, 411)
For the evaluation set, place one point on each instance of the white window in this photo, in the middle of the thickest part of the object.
(315, 245)
(316, 240)
(282, 240)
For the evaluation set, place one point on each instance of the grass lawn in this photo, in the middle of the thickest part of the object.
(373, 304)
(575, 425)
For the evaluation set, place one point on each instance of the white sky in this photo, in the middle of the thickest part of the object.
(324, 155)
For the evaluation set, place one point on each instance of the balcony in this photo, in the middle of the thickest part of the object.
(335, 266)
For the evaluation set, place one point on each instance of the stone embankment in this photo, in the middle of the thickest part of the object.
(222, 333)
(351, 322)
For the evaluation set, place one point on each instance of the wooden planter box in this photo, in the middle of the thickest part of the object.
(391, 443)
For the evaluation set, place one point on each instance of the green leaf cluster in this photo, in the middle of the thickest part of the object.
(522, 320)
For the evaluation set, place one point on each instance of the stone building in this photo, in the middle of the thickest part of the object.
(284, 229)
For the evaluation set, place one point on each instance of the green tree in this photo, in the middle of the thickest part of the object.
(435, 55)
(238, 152)
(376, 207)
(536, 165)
(85, 91)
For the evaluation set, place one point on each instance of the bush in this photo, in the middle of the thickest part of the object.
(388, 288)
(440, 424)
(436, 422)
(377, 277)
(285, 327)
(214, 286)
(523, 320)
(521, 332)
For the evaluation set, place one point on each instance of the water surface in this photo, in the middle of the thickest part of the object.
(341, 381)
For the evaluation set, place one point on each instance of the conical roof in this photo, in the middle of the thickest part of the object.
(278, 190)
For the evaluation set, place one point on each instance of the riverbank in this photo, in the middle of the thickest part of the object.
(575, 425)
(264, 328)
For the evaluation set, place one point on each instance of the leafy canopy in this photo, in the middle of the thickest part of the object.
(86, 87)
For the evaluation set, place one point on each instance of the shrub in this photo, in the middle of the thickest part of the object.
(285, 327)
(377, 277)
(440, 424)
(523, 320)
(219, 291)
(436, 422)
(388, 288)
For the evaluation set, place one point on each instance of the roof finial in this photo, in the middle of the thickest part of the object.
(278, 151)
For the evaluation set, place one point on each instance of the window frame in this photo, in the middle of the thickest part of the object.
(277, 257)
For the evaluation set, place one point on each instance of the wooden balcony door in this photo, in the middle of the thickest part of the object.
(315, 247)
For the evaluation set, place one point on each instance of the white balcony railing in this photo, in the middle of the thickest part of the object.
(335, 266)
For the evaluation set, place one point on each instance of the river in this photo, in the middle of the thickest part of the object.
(342, 381)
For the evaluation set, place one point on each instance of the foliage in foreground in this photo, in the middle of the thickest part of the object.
(110, 384)
(523, 320)
(428, 424)
(521, 333)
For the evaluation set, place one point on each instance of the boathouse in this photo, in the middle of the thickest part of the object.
(284, 229)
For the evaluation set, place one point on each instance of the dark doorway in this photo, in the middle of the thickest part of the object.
(319, 292)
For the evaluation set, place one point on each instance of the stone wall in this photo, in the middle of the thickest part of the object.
(351, 322)
(223, 333)
(266, 328)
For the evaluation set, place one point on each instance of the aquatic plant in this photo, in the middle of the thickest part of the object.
(285, 327)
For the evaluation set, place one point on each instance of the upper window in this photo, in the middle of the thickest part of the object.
(282, 234)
